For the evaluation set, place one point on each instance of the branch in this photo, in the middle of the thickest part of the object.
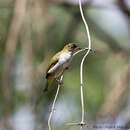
(82, 122)
(82, 62)
(53, 105)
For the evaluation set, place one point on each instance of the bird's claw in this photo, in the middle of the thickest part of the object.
(59, 81)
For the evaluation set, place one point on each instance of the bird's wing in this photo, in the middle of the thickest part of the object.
(53, 61)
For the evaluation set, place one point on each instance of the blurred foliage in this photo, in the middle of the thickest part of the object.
(43, 28)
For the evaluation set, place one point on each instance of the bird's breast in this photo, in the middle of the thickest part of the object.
(65, 59)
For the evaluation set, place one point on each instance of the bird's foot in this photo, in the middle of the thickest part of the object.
(59, 81)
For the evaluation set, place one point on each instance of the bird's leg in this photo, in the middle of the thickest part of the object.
(59, 82)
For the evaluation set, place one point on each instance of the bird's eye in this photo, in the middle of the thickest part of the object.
(73, 46)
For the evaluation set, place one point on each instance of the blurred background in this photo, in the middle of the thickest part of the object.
(32, 31)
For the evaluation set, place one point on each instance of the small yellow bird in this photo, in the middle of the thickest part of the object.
(60, 62)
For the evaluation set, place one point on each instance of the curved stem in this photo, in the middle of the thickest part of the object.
(53, 105)
(82, 62)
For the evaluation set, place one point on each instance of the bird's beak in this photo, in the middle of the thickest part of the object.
(78, 48)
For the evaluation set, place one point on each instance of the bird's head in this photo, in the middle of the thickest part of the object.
(72, 47)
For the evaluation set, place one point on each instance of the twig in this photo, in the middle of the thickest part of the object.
(84, 49)
(53, 105)
(82, 122)
(82, 62)
(76, 123)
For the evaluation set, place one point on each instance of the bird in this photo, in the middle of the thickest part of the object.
(60, 62)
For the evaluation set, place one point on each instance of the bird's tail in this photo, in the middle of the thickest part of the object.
(49, 80)
(46, 87)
